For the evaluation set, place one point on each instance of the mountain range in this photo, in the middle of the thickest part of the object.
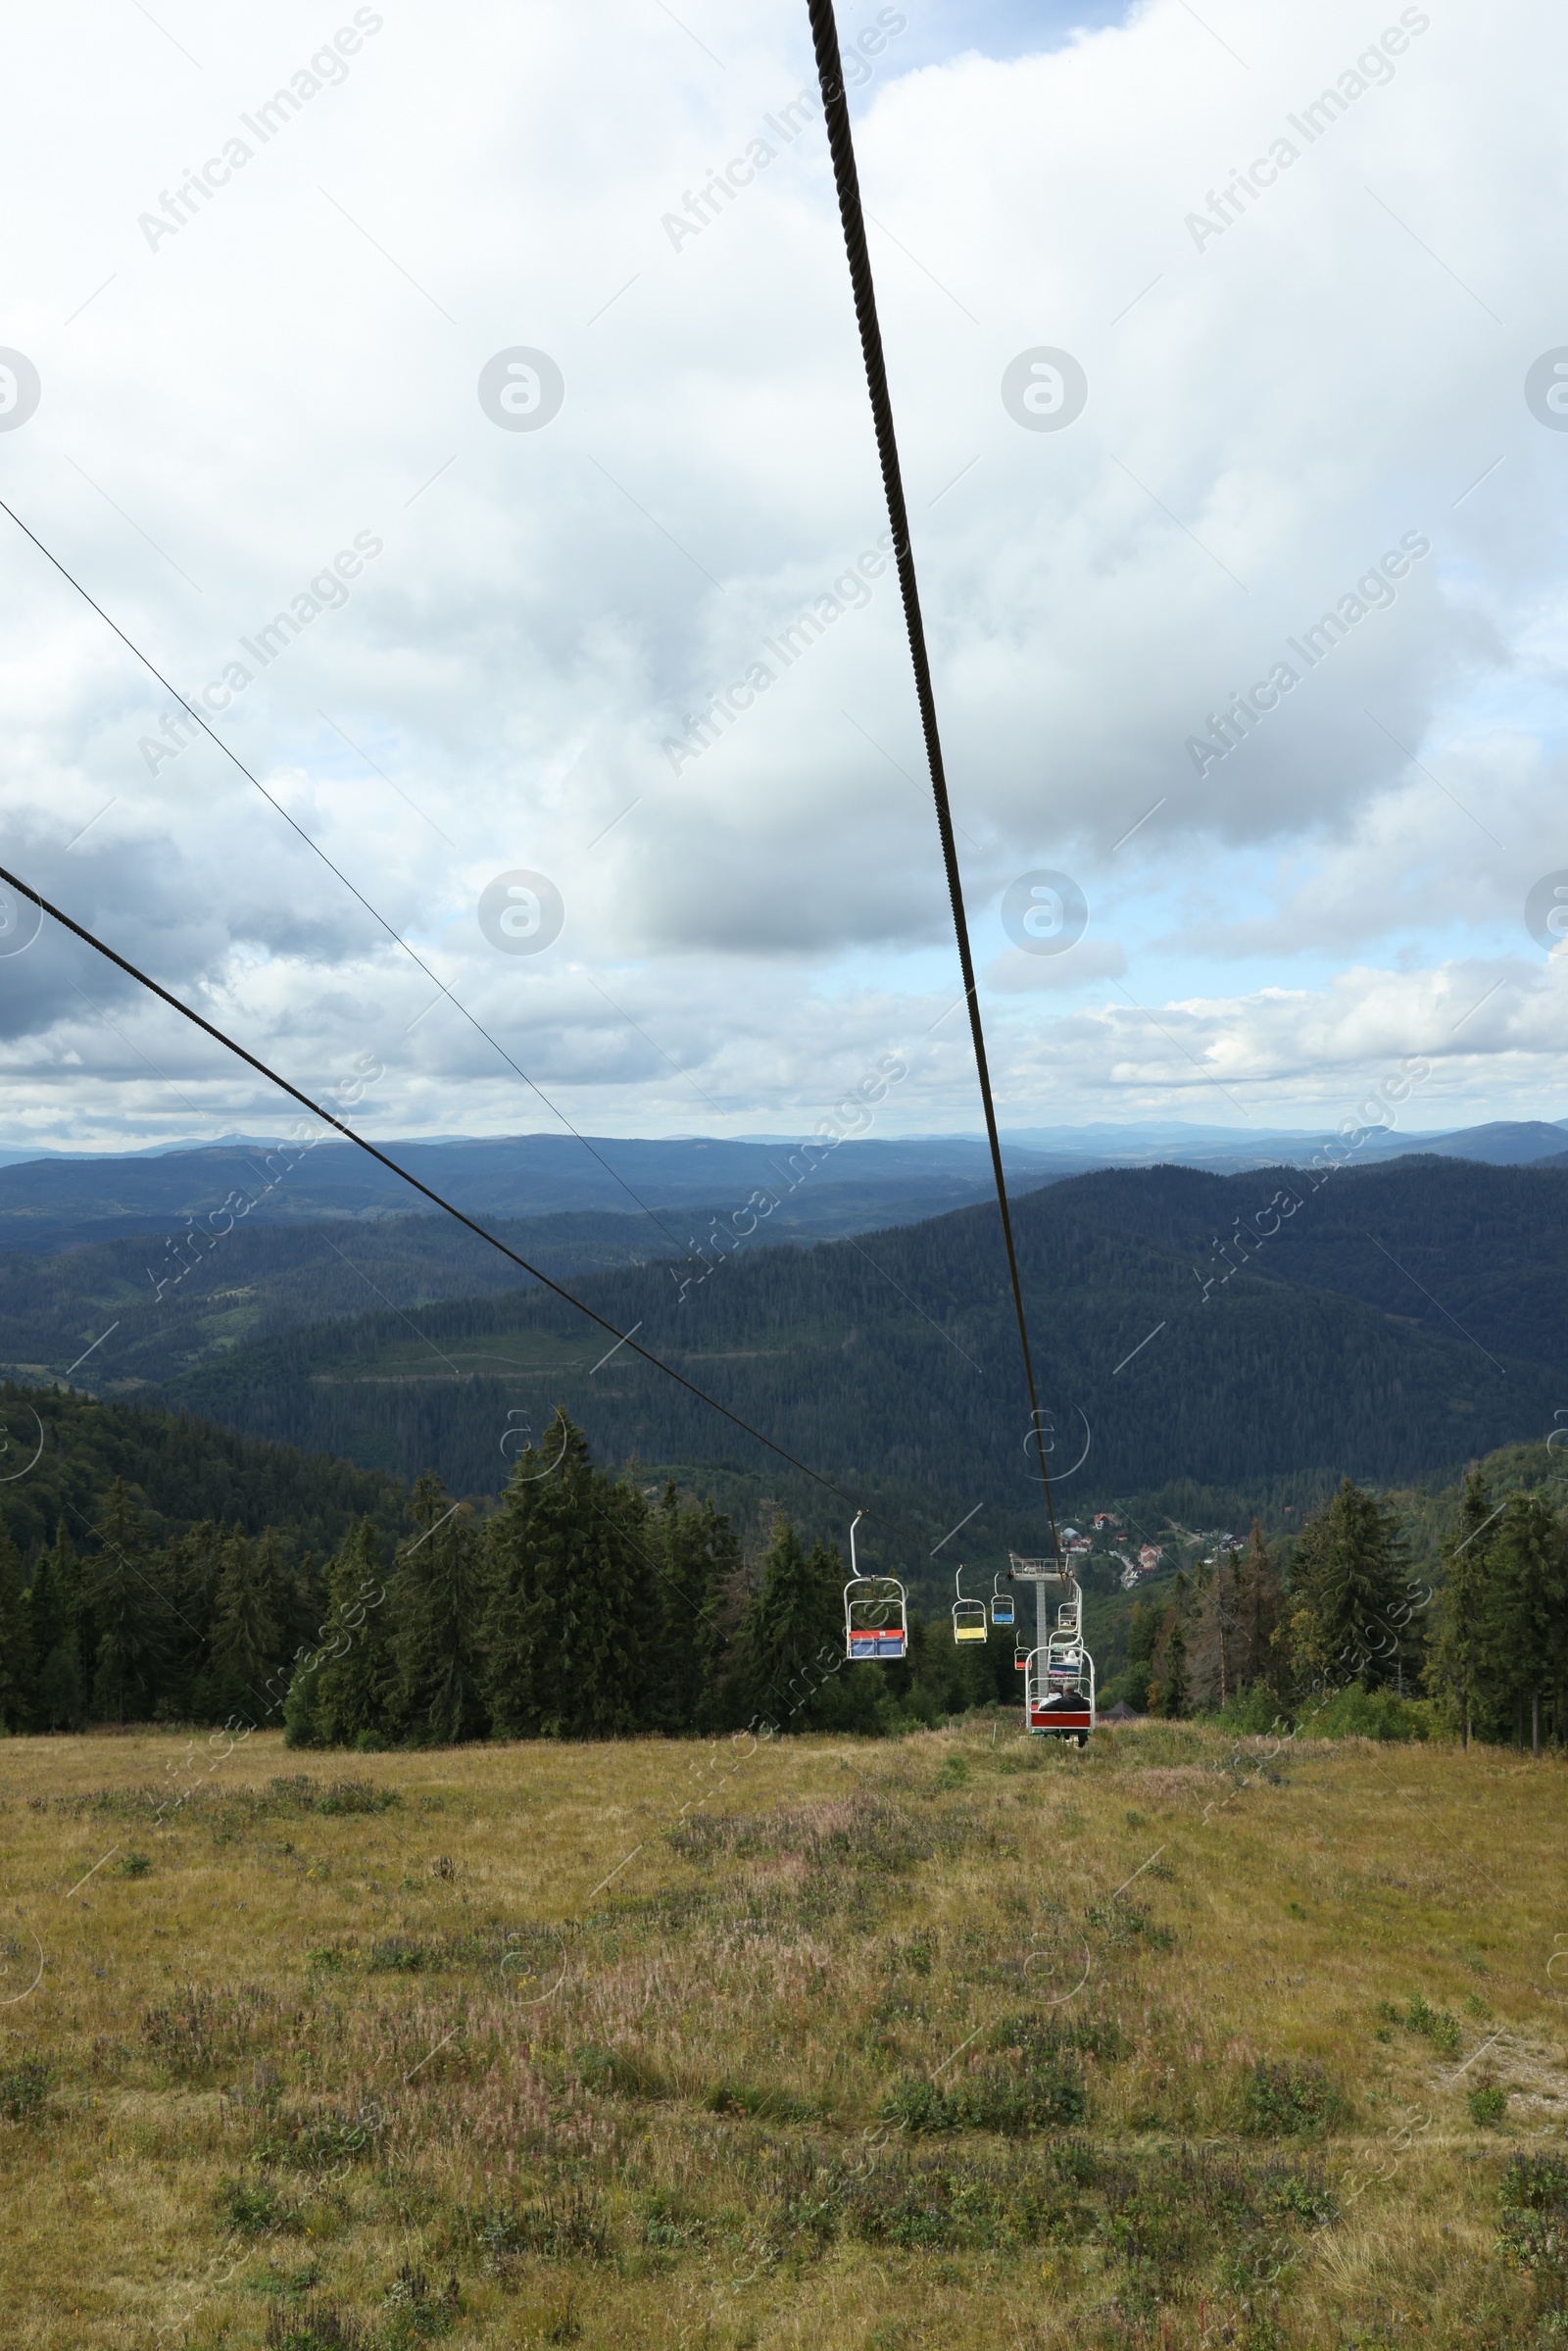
(1389, 1323)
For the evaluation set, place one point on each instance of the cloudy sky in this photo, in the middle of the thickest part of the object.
(292, 385)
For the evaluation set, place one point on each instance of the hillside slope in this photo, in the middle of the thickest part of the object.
(60, 1455)
(1392, 1323)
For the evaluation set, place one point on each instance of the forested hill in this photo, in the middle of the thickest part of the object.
(60, 1455)
(1389, 1323)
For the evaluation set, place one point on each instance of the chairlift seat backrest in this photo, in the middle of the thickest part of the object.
(876, 1621)
(969, 1619)
(1060, 1690)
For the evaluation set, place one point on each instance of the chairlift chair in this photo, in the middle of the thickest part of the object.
(1001, 1603)
(1060, 1692)
(871, 1604)
(969, 1621)
(1059, 1684)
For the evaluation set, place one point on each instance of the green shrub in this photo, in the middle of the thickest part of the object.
(1291, 2101)
(1154, 2232)
(24, 2089)
(418, 2311)
(1487, 2104)
(395, 1955)
(1305, 2196)
(1253, 1715)
(1535, 2215)
(556, 2228)
(321, 2141)
(993, 2097)
(1436, 2025)
(252, 2206)
(1358, 1713)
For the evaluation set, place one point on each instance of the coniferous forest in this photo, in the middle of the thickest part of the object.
(588, 1605)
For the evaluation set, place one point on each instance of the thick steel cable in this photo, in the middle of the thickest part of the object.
(229, 1045)
(840, 145)
(317, 849)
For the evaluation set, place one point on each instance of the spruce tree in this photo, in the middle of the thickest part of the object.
(129, 1616)
(193, 1569)
(245, 1636)
(1168, 1687)
(699, 1563)
(17, 1654)
(60, 1698)
(440, 1597)
(293, 1597)
(572, 1632)
(344, 1686)
(1143, 1632)
(1259, 1606)
(77, 1578)
(1457, 1668)
(791, 1634)
(1526, 1607)
(56, 1688)
(1347, 1586)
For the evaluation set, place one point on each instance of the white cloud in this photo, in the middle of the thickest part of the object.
(1267, 416)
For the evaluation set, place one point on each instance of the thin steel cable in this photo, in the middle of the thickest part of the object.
(353, 891)
(229, 1045)
(840, 145)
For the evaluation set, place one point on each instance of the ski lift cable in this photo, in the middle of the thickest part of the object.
(314, 846)
(341, 1127)
(840, 145)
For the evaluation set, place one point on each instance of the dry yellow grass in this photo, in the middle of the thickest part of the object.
(295, 2052)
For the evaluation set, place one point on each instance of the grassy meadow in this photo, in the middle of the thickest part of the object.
(954, 2040)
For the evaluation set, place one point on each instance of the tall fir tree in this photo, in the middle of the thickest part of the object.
(572, 1632)
(130, 1615)
(245, 1637)
(1526, 1613)
(1143, 1634)
(1458, 1666)
(18, 1659)
(344, 1686)
(440, 1596)
(1348, 1587)
(791, 1637)
(1259, 1608)
(293, 1593)
(1167, 1685)
(194, 1567)
(700, 1559)
(57, 1688)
